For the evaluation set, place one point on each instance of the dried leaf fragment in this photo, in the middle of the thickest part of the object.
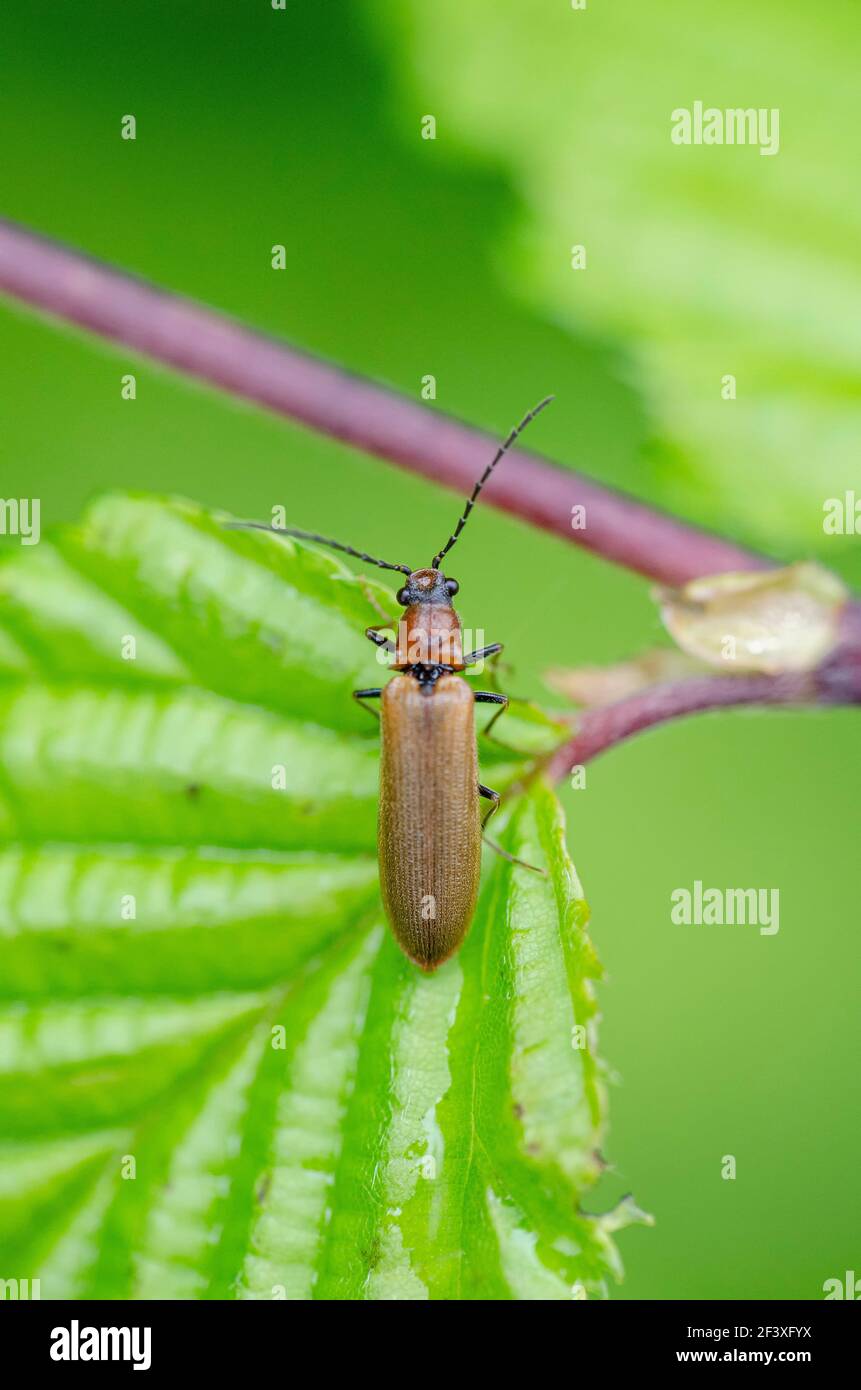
(768, 621)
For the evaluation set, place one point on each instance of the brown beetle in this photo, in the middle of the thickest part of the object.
(430, 828)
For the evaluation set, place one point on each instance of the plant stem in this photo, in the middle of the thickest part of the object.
(837, 681)
(205, 344)
(227, 354)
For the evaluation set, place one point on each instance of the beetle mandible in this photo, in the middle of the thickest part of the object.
(429, 826)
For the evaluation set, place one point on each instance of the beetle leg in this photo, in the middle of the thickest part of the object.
(385, 642)
(487, 697)
(482, 652)
(373, 693)
(491, 796)
(483, 658)
(512, 859)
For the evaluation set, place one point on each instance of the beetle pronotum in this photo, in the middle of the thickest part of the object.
(429, 827)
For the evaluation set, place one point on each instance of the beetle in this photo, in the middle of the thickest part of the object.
(429, 824)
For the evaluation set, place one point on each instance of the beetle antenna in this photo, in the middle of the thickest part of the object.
(503, 449)
(320, 540)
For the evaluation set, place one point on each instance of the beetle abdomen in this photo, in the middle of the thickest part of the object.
(429, 822)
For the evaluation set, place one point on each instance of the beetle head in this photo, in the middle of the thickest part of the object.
(428, 586)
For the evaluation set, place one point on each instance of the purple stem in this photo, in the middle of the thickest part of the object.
(207, 345)
(837, 681)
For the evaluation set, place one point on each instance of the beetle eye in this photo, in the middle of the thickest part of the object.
(452, 586)
(403, 596)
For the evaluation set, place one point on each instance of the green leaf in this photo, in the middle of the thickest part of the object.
(703, 262)
(219, 1077)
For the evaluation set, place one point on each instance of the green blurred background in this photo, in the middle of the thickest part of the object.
(451, 257)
